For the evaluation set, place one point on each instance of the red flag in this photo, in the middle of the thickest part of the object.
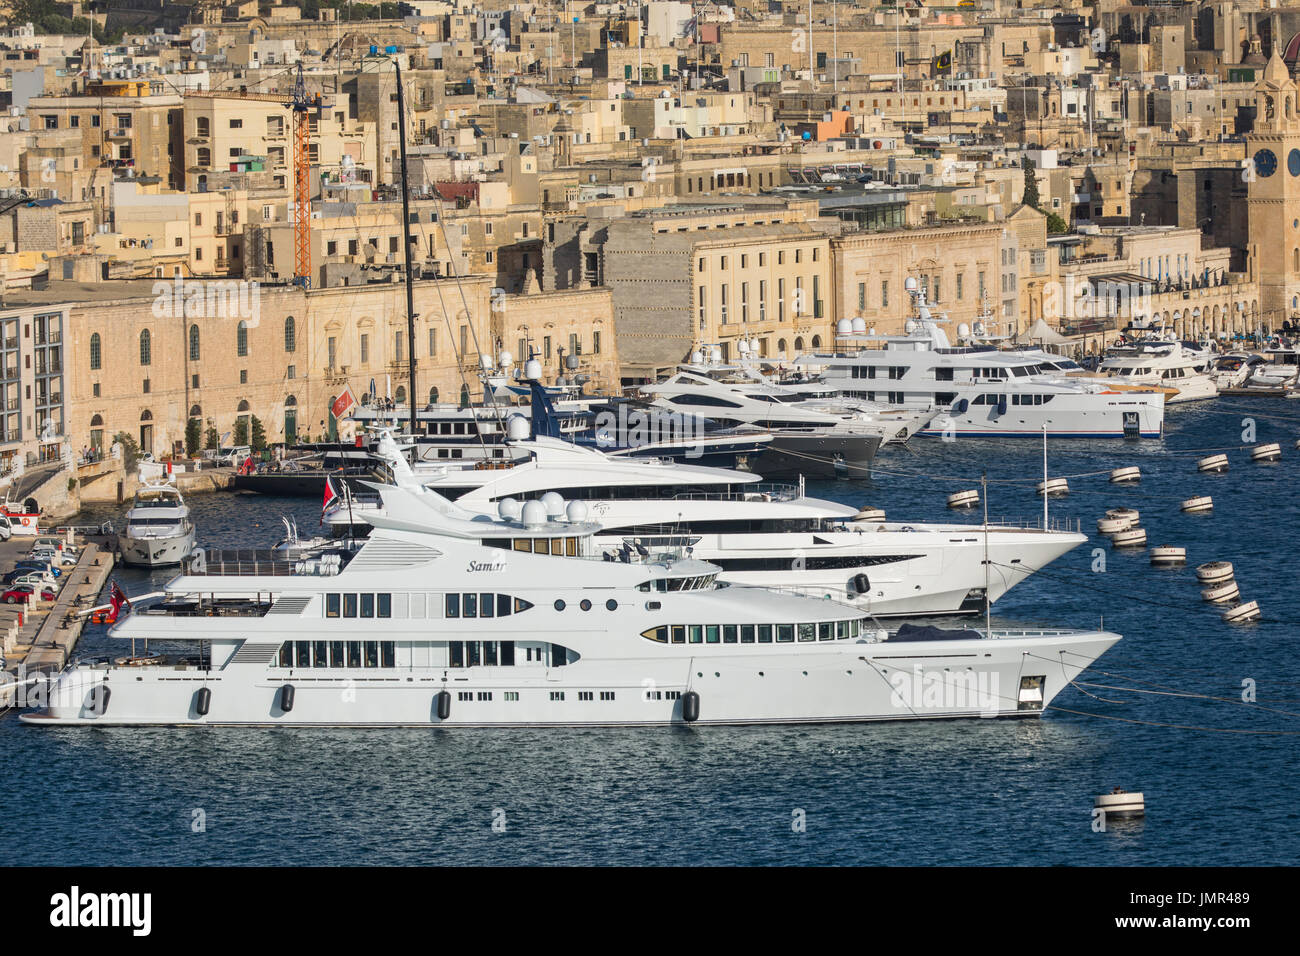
(344, 403)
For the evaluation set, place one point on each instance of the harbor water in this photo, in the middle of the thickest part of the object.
(1201, 716)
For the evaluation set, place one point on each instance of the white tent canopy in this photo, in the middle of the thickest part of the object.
(1040, 331)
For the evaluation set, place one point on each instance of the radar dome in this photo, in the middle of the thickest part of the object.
(963, 330)
(697, 357)
(533, 370)
(742, 346)
(843, 327)
(505, 359)
(715, 355)
(576, 511)
(571, 361)
(484, 360)
(517, 428)
(859, 325)
(910, 284)
(509, 509)
(553, 502)
(533, 513)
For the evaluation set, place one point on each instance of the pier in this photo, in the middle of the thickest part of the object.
(41, 635)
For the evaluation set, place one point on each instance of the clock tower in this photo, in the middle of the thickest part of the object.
(1273, 194)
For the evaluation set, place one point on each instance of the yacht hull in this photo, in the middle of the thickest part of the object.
(156, 552)
(1016, 674)
(822, 455)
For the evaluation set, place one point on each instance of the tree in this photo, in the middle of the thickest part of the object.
(130, 450)
(193, 435)
(241, 431)
(258, 436)
(210, 438)
(1056, 225)
(1030, 198)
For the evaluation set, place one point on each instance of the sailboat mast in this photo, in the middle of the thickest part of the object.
(406, 237)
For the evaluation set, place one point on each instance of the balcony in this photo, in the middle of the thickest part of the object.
(119, 132)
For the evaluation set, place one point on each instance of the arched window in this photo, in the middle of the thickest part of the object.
(241, 338)
(146, 347)
(291, 419)
(464, 396)
(97, 421)
(798, 344)
(433, 395)
(290, 335)
(146, 416)
(1295, 260)
(96, 355)
(196, 411)
(816, 341)
(780, 346)
(194, 343)
(243, 405)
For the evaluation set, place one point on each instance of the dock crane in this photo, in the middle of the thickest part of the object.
(301, 104)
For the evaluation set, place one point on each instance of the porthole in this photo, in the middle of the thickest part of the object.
(611, 605)
(585, 604)
(559, 604)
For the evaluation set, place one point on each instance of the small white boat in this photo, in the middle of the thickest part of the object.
(1221, 593)
(1213, 463)
(1168, 555)
(870, 514)
(1123, 476)
(158, 529)
(1242, 613)
(1214, 572)
(1197, 504)
(1132, 538)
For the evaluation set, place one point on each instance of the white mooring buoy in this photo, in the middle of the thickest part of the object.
(1242, 613)
(1213, 463)
(1120, 805)
(1221, 593)
(1168, 555)
(1113, 525)
(1270, 452)
(964, 499)
(1198, 504)
(1054, 486)
(1214, 572)
(1130, 513)
(1121, 476)
(870, 514)
(1132, 538)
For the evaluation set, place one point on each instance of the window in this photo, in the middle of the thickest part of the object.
(95, 353)
(241, 338)
(290, 335)
(365, 348)
(194, 343)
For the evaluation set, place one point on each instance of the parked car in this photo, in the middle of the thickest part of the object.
(57, 544)
(22, 593)
(45, 566)
(6, 529)
(35, 578)
(52, 555)
(233, 457)
(12, 577)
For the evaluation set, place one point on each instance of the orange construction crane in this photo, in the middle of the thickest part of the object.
(302, 105)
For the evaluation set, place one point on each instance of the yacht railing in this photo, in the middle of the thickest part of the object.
(763, 491)
(252, 562)
(1066, 524)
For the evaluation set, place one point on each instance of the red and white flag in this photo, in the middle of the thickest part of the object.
(331, 500)
(344, 403)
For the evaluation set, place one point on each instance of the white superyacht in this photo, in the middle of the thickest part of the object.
(158, 529)
(446, 618)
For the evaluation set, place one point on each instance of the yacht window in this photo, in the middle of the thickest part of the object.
(453, 605)
(320, 653)
(508, 655)
(522, 605)
(490, 653)
(286, 654)
(473, 655)
(571, 547)
(728, 634)
(349, 605)
(332, 605)
(486, 605)
(807, 632)
(367, 605)
(711, 633)
(679, 633)
(943, 375)
(372, 654)
(841, 629)
(385, 608)
(747, 633)
(784, 633)
(557, 546)
(469, 605)
(457, 657)
(523, 544)
(825, 631)
(697, 633)
(354, 653)
(336, 653)
(765, 633)
(657, 634)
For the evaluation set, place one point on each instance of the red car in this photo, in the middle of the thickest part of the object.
(22, 593)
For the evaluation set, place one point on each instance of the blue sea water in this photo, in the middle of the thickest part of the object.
(1218, 774)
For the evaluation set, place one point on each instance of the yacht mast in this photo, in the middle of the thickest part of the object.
(406, 241)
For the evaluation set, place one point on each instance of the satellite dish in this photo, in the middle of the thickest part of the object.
(576, 511)
(509, 509)
(517, 428)
(553, 502)
(533, 513)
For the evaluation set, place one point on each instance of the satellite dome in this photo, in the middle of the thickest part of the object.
(509, 509)
(571, 361)
(858, 325)
(505, 359)
(553, 502)
(533, 370)
(533, 513)
(843, 327)
(909, 327)
(485, 361)
(910, 284)
(963, 330)
(517, 428)
(576, 511)
(742, 346)
(715, 355)
(697, 357)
